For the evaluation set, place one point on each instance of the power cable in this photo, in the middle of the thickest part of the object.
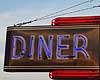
(66, 8)
(50, 15)
(73, 11)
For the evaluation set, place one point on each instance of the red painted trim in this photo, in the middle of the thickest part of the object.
(89, 20)
(74, 74)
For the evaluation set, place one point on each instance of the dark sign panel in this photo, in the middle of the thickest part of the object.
(46, 48)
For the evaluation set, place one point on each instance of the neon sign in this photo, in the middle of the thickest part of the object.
(48, 47)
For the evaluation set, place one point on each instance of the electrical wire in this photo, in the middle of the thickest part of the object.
(73, 11)
(52, 14)
(67, 8)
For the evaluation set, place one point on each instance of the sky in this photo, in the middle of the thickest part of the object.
(16, 11)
